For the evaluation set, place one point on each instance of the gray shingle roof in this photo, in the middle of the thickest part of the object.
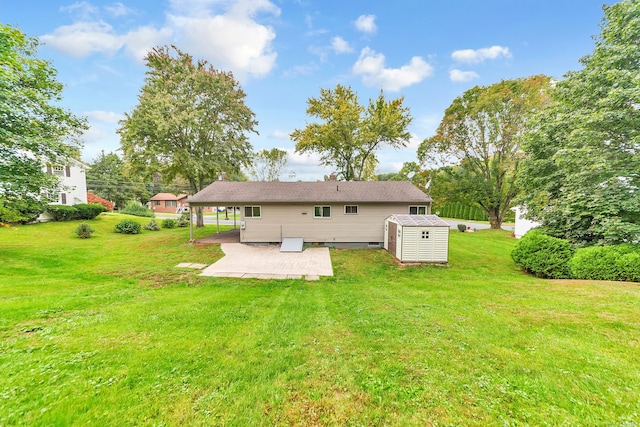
(419, 220)
(222, 193)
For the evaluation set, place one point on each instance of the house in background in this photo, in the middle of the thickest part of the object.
(74, 182)
(329, 212)
(522, 224)
(168, 203)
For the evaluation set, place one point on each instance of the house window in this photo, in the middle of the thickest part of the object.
(252, 212)
(156, 203)
(171, 203)
(417, 210)
(58, 170)
(322, 211)
(351, 209)
(425, 234)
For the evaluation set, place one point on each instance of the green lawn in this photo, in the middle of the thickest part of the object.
(106, 331)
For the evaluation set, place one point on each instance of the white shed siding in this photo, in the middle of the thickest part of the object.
(297, 220)
(412, 247)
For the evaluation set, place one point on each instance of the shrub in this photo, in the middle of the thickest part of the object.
(134, 208)
(543, 255)
(62, 212)
(93, 198)
(169, 223)
(128, 226)
(152, 225)
(183, 221)
(84, 231)
(462, 228)
(618, 262)
(88, 210)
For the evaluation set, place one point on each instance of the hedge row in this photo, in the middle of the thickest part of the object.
(549, 257)
(81, 211)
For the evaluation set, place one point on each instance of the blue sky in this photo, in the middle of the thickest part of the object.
(284, 51)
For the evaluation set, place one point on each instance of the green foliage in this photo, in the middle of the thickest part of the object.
(268, 165)
(88, 210)
(62, 212)
(191, 121)
(183, 220)
(136, 209)
(169, 223)
(152, 226)
(580, 174)
(107, 177)
(619, 262)
(127, 226)
(34, 131)
(462, 228)
(480, 134)
(351, 133)
(543, 255)
(84, 231)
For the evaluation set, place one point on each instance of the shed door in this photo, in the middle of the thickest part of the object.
(393, 233)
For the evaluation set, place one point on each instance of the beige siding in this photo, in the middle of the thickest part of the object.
(297, 220)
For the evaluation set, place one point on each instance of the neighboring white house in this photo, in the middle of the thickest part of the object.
(74, 182)
(522, 224)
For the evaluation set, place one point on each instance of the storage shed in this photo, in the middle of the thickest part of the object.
(417, 238)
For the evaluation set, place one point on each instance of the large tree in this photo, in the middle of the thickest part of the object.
(351, 133)
(34, 131)
(268, 165)
(191, 121)
(480, 133)
(581, 176)
(107, 178)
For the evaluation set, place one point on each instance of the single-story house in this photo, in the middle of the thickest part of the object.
(168, 203)
(417, 238)
(328, 212)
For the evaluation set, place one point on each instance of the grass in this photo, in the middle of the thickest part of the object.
(107, 331)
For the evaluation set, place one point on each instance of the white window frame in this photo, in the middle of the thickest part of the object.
(170, 203)
(58, 170)
(351, 206)
(252, 212)
(322, 207)
(417, 207)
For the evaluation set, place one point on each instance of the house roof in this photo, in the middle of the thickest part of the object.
(222, 193)
(168, 196)
(419, 220)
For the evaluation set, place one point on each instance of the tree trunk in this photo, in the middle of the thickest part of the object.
(199, 217)
(495, 219)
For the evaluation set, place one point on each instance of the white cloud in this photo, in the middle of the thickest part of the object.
(371, 66)
(414, 141)
(300, 70)
(118, 9)
(462, 76)
(141, 40)
(366, 24)
(278, 134)
(340, 45)
(479, 55)
(104, 116)
(82, 9)
(84, 38)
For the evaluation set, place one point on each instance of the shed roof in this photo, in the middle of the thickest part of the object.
(418, 220)
(222, 193)
(168, 196)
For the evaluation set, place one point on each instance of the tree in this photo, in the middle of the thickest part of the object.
(190, 121)
(106, 177)
(480, 133)
(268, 165)
(33, 130)
(581, 171)
(351, 133)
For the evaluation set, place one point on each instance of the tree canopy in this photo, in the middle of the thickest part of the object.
(350, 133)
(191, 121)
(34, 131)
(268, 165)
(107, 178)
(581, 174)
(480, 134)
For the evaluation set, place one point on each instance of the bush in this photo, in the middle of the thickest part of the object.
(62, 212)
(183, 221)
(88, 210)
(134, 208)
(152, 225)
(169, 223)
(543, 256)
(128, 226)
(84, 231)
(619, 262)
(462, 228)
